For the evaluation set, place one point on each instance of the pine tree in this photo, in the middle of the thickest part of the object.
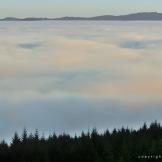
(24, 136)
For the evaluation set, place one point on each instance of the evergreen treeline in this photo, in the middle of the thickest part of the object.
(123, 145)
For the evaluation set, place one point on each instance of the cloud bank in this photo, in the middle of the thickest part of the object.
(72, 76)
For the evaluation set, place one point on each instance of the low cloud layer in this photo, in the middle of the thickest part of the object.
(141, 44)
(72, 76)
(30, 45)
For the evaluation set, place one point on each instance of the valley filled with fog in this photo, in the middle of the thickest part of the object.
(75, 75)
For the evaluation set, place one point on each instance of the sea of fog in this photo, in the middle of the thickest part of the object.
(69, 76)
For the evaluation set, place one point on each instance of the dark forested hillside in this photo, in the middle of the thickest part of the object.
(123, 145)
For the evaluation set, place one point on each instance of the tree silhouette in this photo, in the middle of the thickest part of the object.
(122, 145)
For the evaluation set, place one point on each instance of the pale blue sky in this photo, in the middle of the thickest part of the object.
(56, 8)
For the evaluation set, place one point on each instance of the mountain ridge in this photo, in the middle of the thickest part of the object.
(141, 16)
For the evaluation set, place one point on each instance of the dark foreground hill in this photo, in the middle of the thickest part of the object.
(142, 16)
(123, 145)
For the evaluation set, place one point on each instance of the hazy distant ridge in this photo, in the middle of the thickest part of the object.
(130, 17)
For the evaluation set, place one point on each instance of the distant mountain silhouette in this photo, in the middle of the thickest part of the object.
(72, 18)
(11, 19)
(145, 16)
(135, 16)
(24, 19)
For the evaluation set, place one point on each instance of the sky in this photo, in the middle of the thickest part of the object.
(73, 76)
(58, 8)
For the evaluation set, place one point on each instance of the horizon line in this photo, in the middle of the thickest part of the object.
(86, 17)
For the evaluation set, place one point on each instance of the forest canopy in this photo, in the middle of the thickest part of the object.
(119, 145)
